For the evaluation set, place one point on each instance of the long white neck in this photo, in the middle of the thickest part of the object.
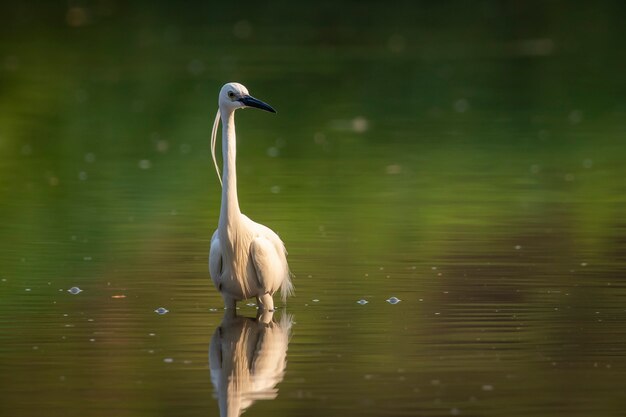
(229, 212)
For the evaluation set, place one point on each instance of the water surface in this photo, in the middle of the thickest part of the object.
(468, 161)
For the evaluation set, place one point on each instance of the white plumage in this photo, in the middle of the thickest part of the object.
(247, 259)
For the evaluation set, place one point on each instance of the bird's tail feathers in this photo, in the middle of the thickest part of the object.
(286, 287)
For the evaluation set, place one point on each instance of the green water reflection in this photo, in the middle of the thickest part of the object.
(465, 158)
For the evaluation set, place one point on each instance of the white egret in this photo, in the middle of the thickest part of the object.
(246, 258)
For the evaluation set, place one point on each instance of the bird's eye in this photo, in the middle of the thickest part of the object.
(231, 94)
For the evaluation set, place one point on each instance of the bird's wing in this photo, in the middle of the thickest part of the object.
(283, 275)
(267, 264)
(215, 259)
(261, 230)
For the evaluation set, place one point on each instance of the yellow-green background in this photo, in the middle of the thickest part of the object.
(466, 157)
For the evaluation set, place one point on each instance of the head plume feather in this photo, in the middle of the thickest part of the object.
(216, 124)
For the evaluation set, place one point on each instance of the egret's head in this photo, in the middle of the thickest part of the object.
(235, 96)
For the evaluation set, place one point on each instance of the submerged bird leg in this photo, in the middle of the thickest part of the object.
(266, 302)
(229, 302)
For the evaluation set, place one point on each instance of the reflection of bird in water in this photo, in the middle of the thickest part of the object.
(248, 358)
(246, 259)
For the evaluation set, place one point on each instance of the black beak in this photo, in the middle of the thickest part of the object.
(253, 102)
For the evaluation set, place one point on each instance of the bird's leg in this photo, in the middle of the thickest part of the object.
(229, 315)
(266, 302)
(229, 302)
